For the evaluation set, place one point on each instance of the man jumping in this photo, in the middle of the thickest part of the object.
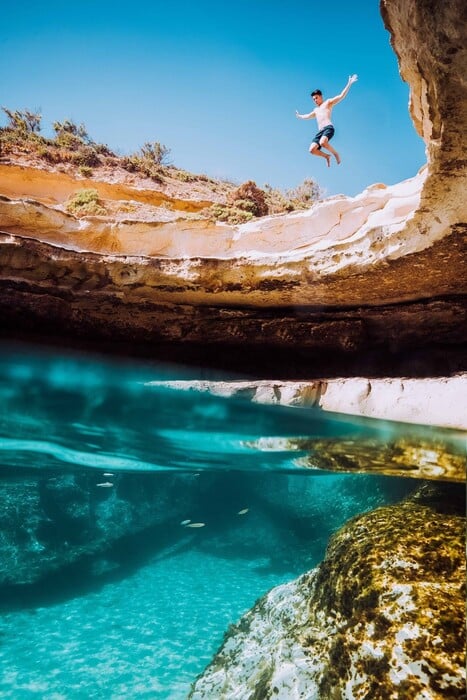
(322, 112)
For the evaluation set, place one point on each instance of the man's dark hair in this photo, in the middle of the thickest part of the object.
(316, 92)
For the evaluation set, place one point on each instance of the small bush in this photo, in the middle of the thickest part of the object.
(103, 150)
(112, 161)
(85, 202)
(277, 201)
(184, 176)
(305, 194)
(134, 164)
(22, 132)
(229, 214)
(85, 171)
(243, 204)
(249, 197)
(149, 161)
(72, 129)
(246, 205)
(47, 154)
(301, 197)
(130, 164)
(70, 142)
(24, 122)
(155, 154)
(86, 156)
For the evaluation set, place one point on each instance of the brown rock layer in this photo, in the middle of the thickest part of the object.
(55, 187)
(57, 291)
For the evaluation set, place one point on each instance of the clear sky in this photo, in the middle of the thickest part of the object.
(218, 83)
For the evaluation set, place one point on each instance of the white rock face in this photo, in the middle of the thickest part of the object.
(341, 224)
(266, 652)
(438, 402)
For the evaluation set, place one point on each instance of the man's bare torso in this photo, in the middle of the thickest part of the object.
(323, 114)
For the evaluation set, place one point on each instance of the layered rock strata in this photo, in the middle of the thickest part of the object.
(380, 275)
(382, 616)
(246, 312)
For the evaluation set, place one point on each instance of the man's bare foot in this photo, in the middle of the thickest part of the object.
(328, 160)
(337, 157)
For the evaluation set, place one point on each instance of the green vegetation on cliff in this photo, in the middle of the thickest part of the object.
(73, 147)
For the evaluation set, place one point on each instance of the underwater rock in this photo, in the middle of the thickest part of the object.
(413, 457)
(382, 616)
(52, 521)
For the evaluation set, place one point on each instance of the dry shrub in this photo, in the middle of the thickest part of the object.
(85, 202)
(249, 197)
(229, 214)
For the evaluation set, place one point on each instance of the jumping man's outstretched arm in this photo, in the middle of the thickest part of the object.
(334, 100)
(305, 116)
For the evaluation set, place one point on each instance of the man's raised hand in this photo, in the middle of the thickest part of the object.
(353, 78)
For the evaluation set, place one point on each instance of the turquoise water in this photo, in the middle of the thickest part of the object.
(107, 589)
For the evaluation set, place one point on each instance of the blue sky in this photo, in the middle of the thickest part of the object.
(217, 83)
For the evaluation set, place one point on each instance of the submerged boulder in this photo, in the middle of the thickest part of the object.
(52, 521)
(382, 616)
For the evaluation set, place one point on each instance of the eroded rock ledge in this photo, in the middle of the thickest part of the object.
(437, 402)
(399, 450)
(382, 616)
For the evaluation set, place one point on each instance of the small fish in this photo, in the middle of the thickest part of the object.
(105, 484)
(242, 512)
(196, 525)
(185, 522)
(107, 474)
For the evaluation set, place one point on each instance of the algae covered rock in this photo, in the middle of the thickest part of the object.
(52, 521)
(382, 616)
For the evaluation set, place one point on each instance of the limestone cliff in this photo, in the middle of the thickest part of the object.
(362, 278)
(437, 402)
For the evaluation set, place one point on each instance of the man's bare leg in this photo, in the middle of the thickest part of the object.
(316, 152)
(324, 143)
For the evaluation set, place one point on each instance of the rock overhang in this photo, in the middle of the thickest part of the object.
(398, 249)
